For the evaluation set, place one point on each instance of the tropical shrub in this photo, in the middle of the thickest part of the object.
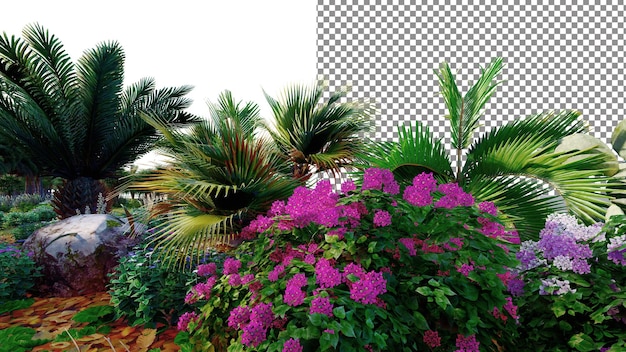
(23, 224)
(145, 292)
(17, 273)
(571, 286)
(514, 165)
(376, 268)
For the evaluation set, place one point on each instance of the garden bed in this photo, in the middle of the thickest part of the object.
(50, 317)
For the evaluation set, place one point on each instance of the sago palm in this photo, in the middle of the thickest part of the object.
(515, 165)
(220, 175)
(77, 121)
(317, 134)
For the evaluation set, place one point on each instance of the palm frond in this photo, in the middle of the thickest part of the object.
(415, 152)
(465, 112)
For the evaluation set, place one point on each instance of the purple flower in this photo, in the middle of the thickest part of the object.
(234, 280)
(293, 296)
(292, 345)
(467, 343)
(616, 250)
(326, 276)
(276, 272)
(185, 319)
(253, 333)
(348, 186)
(453, 196)
(409, 243)
(367, 289)
(432, 339)
(239, 317)
(488, 207)
(382, 218)
(263, 312)
(321, 305)
(207, 269)
(380, 179)
(231, 266)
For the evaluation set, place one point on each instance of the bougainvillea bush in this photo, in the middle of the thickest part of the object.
(571, 286)
(377, 268)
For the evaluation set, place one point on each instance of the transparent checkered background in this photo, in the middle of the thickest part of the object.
(560, 56)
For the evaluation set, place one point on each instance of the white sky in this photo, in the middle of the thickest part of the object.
(245, 46)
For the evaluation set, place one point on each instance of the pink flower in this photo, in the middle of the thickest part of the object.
(292, 345)
(465, 269)
(234, 280)
(276, 272)
(263, 312)
(239, 317)
(185, 319)
(207, 269)
(382, 218)
(409, 243)
(293, 296)
(253, 334)
(326, 276)
(321, 305)
(453, 197)
(231, 266)
(367, 289)
(348, 186)
(380, 179)
(432, 339)
(467, 343)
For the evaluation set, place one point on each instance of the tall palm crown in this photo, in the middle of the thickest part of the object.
(513, 165)
(316, 134)
(76, 121)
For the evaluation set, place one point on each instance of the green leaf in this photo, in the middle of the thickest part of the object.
(339, 312)
(347, 328)
(316, 319)
(94, 314)
(424, 291)
(582, 342)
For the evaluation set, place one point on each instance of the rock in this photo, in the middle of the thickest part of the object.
(77, 254)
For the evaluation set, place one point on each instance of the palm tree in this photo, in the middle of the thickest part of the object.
(316, 134)
(512, 165)
(77, 122)
(220, 175)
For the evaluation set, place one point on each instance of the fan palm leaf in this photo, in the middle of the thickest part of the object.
(220, 177)
(317, 134)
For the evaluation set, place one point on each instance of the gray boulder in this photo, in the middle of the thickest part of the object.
(77, 254)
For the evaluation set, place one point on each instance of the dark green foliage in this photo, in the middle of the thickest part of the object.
(77, 121)
(146, 292)
(17, 273)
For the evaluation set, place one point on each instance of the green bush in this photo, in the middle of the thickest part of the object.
(145, 292)
(26, 202)
(17, 273)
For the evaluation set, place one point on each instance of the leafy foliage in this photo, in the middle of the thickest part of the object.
(514, 165)
(17, 273)
(145, 292)
(370, 269)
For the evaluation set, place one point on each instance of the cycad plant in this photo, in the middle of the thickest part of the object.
(220, 174)
(318, 134)
(515, 165)
(77, 121)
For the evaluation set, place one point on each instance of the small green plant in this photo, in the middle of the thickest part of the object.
(19, 339)
(17, 273)
(97, 319)
(17, 304)
(571, 286)
(146, 292)
(23, 224)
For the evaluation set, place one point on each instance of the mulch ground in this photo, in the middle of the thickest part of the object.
(52, 316)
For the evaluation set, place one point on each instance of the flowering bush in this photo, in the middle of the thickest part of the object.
(17, 273)
(378, 268)
(572, 286)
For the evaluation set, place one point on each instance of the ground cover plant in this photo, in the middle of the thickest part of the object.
(374, 268)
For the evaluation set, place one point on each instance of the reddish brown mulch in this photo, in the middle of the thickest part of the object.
(51, 316)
